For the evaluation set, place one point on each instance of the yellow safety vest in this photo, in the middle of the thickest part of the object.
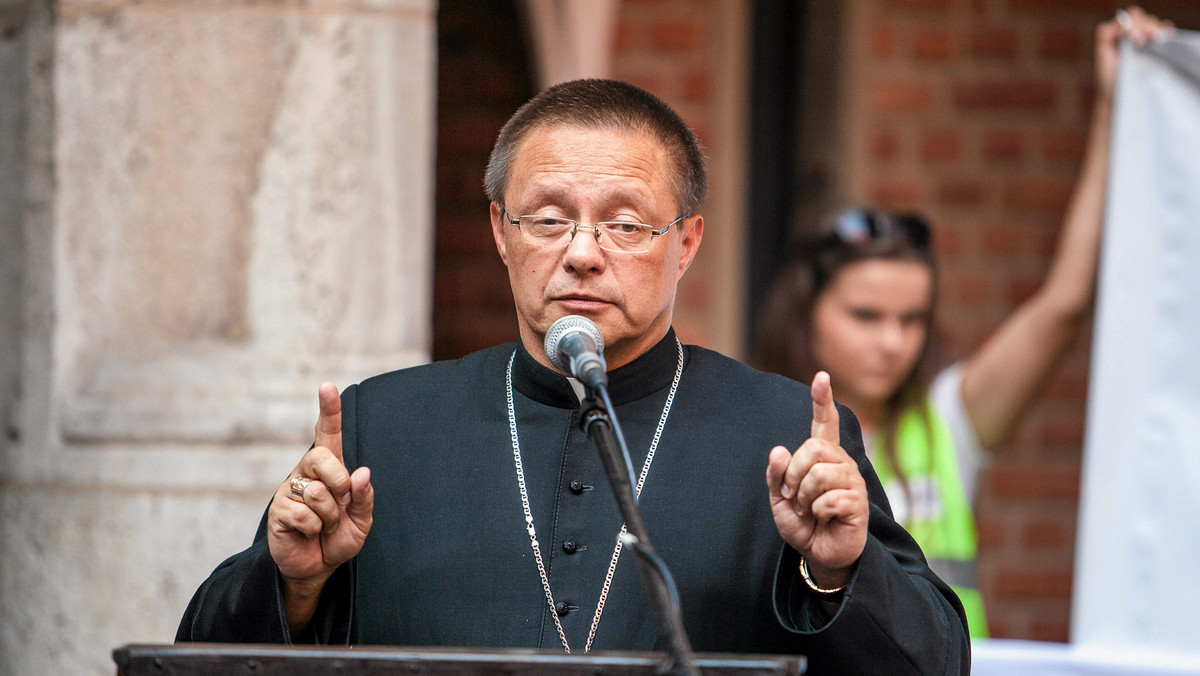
(934, 509)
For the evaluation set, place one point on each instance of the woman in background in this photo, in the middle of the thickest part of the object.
(858, 302)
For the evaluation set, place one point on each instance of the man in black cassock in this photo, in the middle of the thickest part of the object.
(460, 504)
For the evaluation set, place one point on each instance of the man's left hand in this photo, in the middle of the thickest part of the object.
(818, 497)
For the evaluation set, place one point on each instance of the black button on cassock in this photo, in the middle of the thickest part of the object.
(576, 487)
(570, 546)
(562, 608)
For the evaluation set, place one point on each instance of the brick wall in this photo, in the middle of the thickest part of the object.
(975, 112)
(483, 76)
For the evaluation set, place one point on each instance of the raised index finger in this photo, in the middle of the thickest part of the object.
(329, 422)
(825, 423)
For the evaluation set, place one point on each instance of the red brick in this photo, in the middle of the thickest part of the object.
(1005, 94)
(1001, 241)
(471, 209)
(885, 145)
(934, 44)
(973, 289)
(999, 626)
(696, 292)
(678, 35)
(624, 35)
(1068, 434)
(883, 41)
(1045, 534)
(1101, 8)
(649, 79)
(902, 96)
(696, 84)
(458, 236)
(1025, 582)
(1086, 97)
(940, 145)
(1064, 144)
(1068, 386)
(469, 330)
(460, 180)
(994, 42)
(960, 192)
(896, 192)
(1060, 43)
(1057, 629)
(1003, 145)
(469, 131)
(499, 84)
(1047, 481)
(917, 4)
(948, 242)
(470, 280)
(1022, 288)
(990, 532)
(1049, 195)
(1047, 244)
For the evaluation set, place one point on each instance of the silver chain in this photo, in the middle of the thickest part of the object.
(537, 550)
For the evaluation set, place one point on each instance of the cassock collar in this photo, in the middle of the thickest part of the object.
(648, 373)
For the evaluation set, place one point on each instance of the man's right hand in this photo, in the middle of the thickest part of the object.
(311, 535)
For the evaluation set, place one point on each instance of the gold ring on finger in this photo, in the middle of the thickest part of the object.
(299, 483)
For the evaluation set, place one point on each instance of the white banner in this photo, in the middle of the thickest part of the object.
(1137, 577)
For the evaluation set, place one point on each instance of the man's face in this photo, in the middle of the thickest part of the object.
(591, 175)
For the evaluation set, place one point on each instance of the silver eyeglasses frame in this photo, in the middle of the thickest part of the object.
(597, 229)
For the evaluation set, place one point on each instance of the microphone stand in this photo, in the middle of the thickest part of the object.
(600, 423)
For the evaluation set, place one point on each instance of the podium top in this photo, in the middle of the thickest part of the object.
(196, 659)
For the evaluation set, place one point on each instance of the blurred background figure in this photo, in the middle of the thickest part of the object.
(857, 300)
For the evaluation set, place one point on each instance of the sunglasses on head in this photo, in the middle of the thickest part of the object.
(856, 227)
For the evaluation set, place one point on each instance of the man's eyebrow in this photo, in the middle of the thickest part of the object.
(543, 195)
(547, 194)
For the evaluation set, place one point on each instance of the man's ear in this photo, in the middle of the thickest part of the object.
(498, 232)
(692, 229)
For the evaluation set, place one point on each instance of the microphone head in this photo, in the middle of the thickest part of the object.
(571, 324)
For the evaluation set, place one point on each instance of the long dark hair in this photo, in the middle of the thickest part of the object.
(785, 331)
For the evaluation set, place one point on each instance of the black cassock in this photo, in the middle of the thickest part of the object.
(448, 561)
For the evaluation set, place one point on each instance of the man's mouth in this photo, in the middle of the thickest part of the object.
(582, 301)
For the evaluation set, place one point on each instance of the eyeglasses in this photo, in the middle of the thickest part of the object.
(859, 226)
(618, 236)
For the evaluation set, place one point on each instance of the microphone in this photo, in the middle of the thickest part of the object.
(574, 345)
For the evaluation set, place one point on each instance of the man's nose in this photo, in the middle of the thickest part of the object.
(583, 252)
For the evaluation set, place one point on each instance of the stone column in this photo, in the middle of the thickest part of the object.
(219, 206)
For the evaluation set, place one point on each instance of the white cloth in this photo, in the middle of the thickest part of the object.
(1137, 580)
(998, 657)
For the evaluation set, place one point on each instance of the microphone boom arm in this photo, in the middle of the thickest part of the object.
(599, 421)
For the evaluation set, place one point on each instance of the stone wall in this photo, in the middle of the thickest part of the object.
(13, 67)
(216, 207)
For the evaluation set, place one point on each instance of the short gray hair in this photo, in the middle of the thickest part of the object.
(603, 104)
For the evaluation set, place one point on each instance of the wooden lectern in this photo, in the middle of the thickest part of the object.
(207, 659)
